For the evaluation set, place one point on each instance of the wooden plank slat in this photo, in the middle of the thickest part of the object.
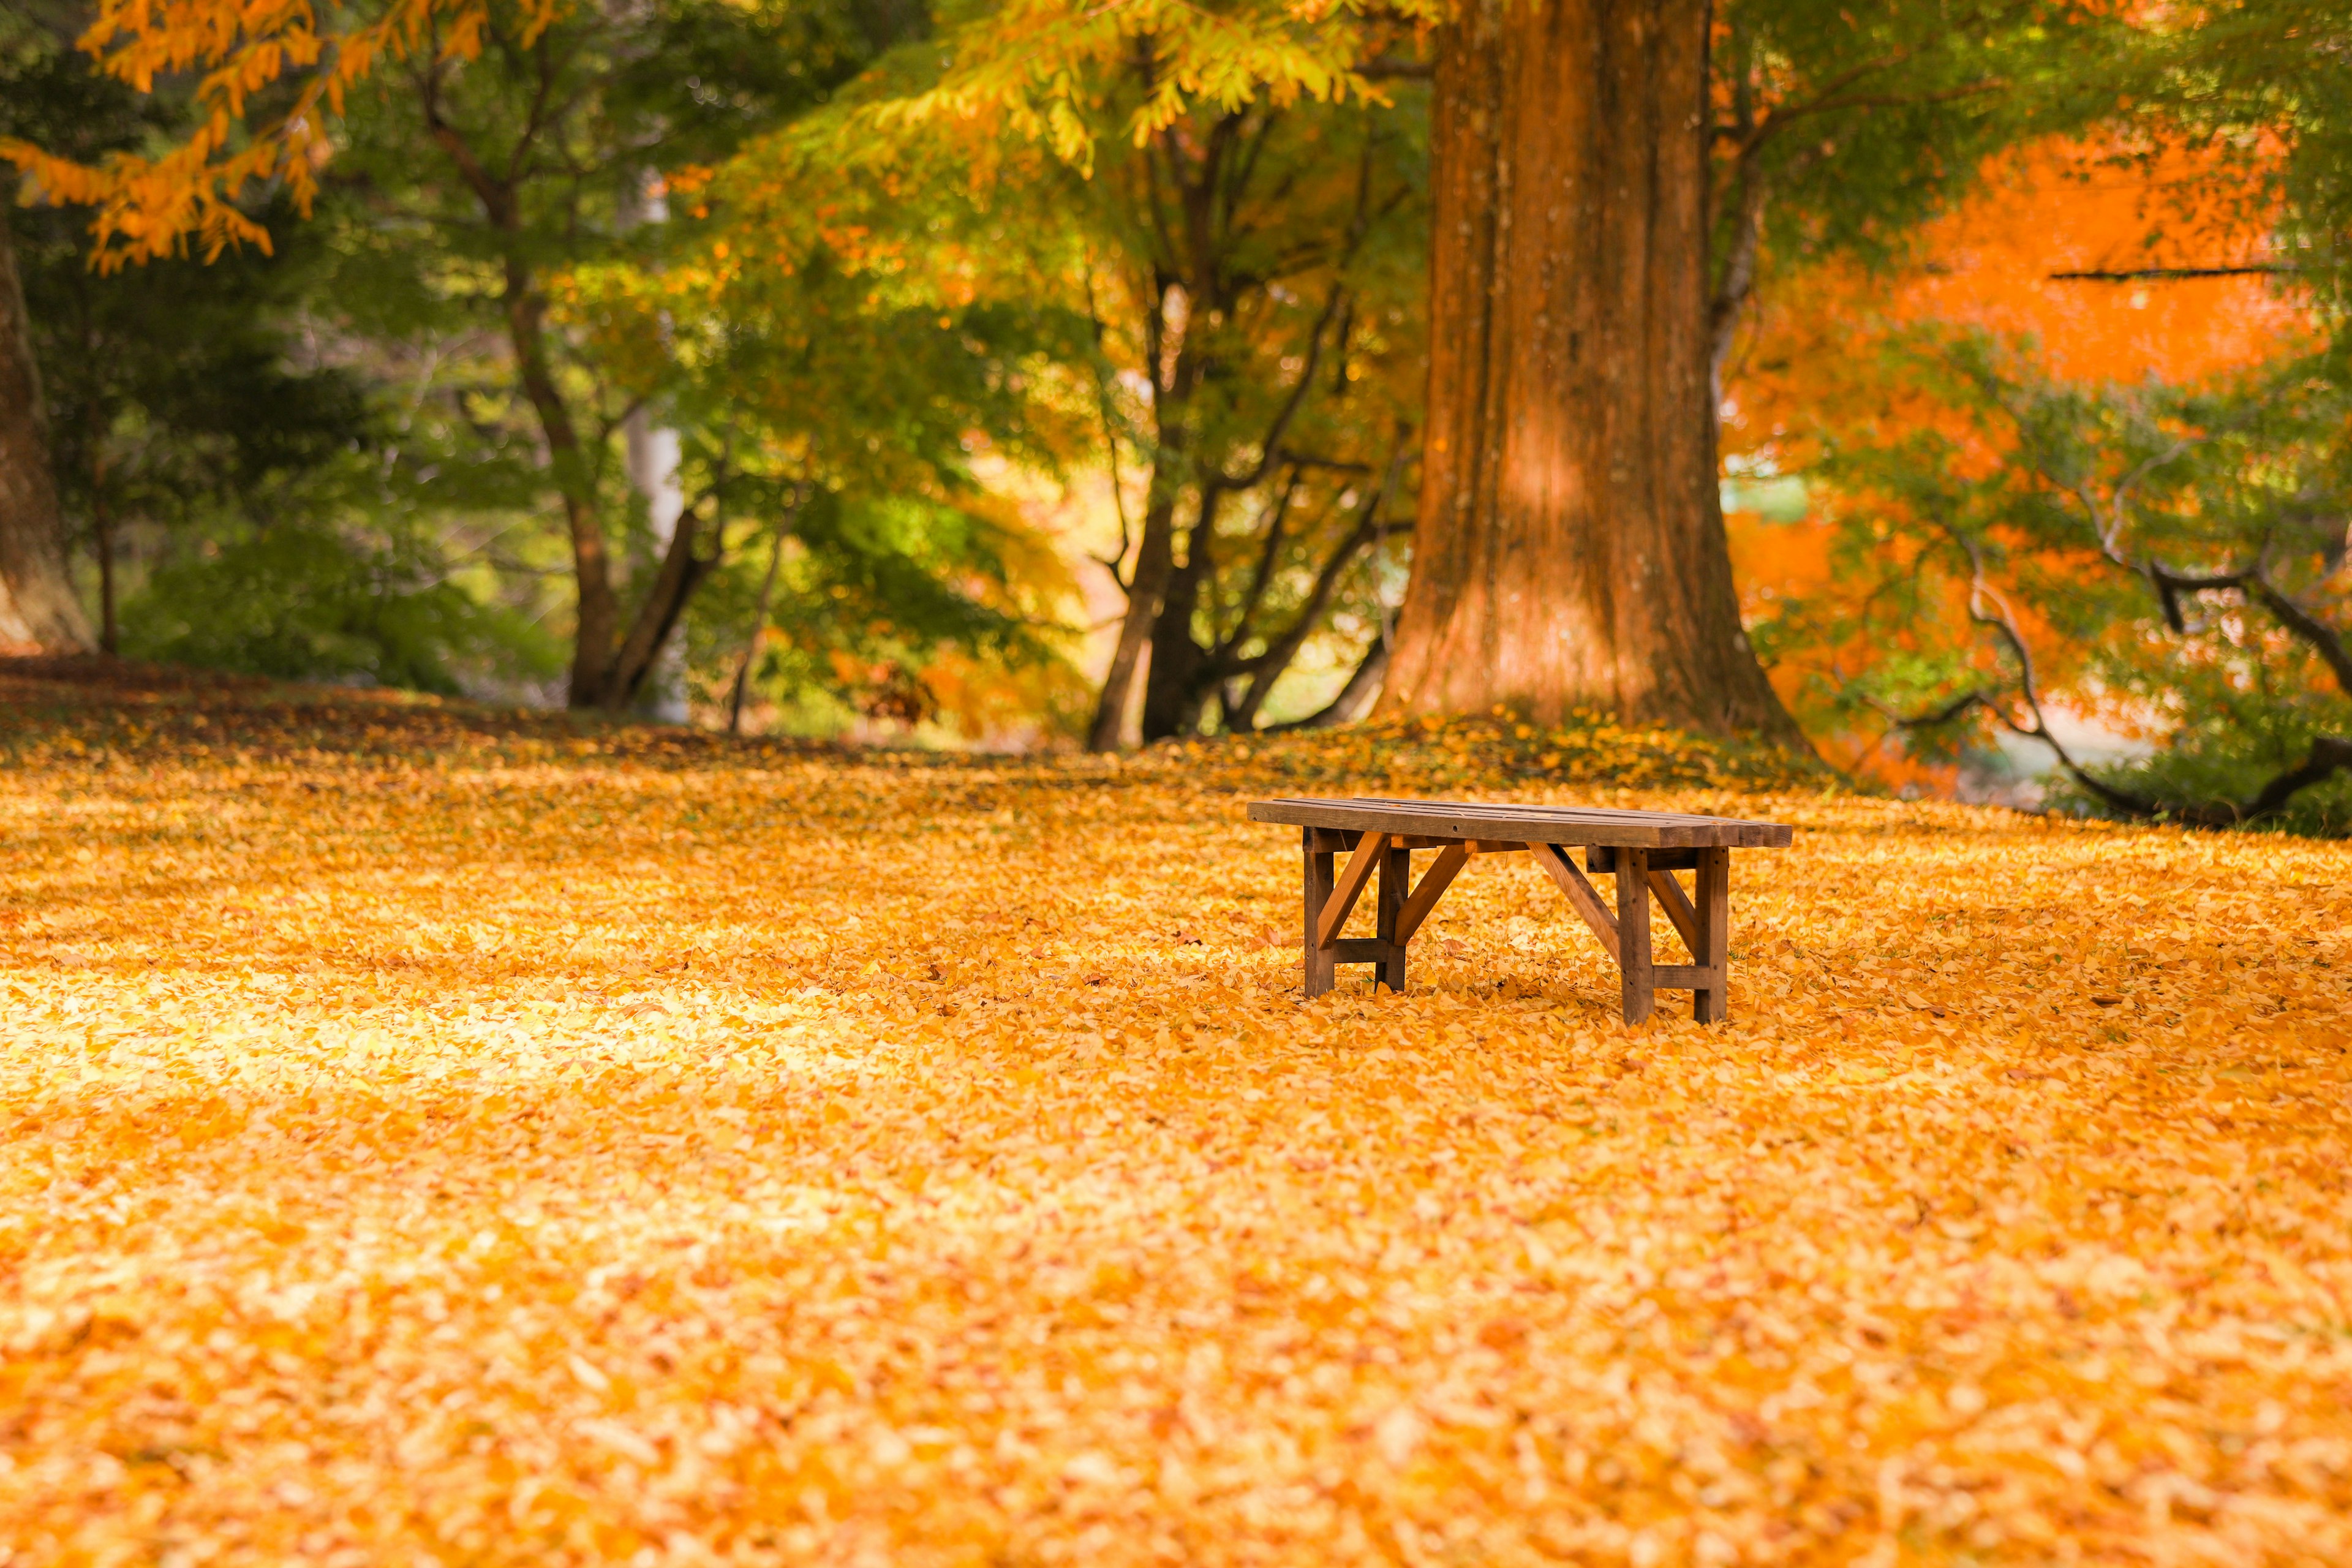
(1399, 819)
(1357, 950)
(1434, 883)
(1342, 902)
(1678, 909)
(1581, 897)
(1567, 818)
(1541, 813)
(1475, 846)
(1554, 825)
(1686, 977)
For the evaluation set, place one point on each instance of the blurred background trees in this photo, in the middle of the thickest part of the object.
(1014, 371)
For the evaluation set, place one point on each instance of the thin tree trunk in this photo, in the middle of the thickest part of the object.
(37, 604)
(101, 518)
(1179, 682)
(759, 633)
(599, 615)
(680, 571)
(595, 637)
(1569, 549)
(1155, 563)
(1370, 531)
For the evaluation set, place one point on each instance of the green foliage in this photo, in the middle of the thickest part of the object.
(303, 602)
(793, 334)
(2260, 84)
(2169, 561)
(269, 512)
(1236, 200)
(169, 388)
(1856, 124)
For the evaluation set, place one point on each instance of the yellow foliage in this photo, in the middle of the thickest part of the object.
(435, 1135)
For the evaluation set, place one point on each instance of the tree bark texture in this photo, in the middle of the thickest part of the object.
(1569, 549)
(37, 604)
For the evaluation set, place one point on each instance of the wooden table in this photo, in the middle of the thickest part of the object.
(1643, 849)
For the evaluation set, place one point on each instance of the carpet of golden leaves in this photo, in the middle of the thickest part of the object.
(434, 1137)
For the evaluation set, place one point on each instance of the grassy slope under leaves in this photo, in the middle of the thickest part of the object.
(437, 1135)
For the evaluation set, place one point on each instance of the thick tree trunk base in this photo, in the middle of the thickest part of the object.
(1570, 550)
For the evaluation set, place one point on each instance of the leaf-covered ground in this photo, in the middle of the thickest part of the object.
(429, 1136)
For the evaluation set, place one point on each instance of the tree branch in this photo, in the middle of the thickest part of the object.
(2167, 274)
(2329, 755)
(2324, 639)
(1110, 437)
(1270, 449)
(1262, 574)
(1268, 667)
(1938, 717)
(1354, 697)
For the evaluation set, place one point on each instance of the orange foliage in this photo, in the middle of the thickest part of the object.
(1993, 264)
(2059, 208)
(148, 208)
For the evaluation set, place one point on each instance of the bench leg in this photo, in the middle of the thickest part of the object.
(1713, 948)
(1396, 877)
(1633, 933)
(1320, 966)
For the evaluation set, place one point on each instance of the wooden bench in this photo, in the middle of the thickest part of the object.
(1643, 849)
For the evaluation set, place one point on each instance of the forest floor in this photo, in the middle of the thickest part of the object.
(429, 1135)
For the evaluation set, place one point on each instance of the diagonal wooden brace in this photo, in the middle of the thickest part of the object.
(1678, 908)
(1582, 896)
(1342, 902)
(1434, 883)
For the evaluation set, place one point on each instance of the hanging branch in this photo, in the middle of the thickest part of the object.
(1987, 607)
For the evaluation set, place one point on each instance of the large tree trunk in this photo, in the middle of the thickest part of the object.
(1569, 550)
(37, 604)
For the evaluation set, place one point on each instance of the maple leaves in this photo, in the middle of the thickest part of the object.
(435, 1132)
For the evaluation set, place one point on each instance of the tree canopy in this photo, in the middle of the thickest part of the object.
(1039, 369)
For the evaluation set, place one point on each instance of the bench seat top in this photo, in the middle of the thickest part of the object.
(1526, 824)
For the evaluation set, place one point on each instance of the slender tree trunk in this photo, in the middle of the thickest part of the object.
(37, 604)
(674, 582)
(1155, 564)
(758, 635)
(1179, 682)
(101, 520)
(597, 634)
(1569, 549)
